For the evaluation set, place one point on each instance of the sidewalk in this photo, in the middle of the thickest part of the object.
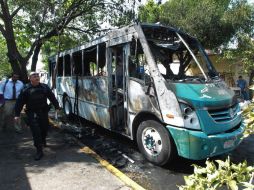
(64, 165)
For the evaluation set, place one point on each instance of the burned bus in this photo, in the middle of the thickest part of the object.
(155, 85)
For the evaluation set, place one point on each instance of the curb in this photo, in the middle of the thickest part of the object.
(85, 149)
(129, 182)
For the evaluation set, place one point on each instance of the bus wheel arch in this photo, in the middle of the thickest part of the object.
(154, 140)
(139, 118)
(67, 106)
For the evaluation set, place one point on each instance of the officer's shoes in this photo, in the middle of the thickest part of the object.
(38, 155)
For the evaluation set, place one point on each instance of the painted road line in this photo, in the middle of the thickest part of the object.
(112, 169)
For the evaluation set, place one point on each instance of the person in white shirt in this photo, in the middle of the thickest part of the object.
(10, 89)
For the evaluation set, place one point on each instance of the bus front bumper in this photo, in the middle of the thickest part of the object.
(196, 145)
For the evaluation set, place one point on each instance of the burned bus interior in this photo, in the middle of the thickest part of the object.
(81, 63)
(175, 61)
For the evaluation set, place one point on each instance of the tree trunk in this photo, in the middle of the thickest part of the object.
(35, 56)
(24, 76)
(19, 68)
(14, 63)
(18, 63)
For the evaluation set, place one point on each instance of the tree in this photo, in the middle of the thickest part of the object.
(244, 54)
(27, 25)
(150, 12)
(213, 22)
(50, 47)
(5, 68)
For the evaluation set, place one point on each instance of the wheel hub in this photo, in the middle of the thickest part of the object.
(152, 141)
(149, 142)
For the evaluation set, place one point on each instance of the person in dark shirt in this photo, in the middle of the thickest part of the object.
(34, 95)
(242, 84)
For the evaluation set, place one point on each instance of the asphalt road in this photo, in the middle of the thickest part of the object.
(123, 154)
(63, 167)
(19, 171)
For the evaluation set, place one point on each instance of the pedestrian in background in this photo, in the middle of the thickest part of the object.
(242, 84)
(10, 90)
(34, 95)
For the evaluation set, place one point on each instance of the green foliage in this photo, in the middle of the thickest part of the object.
(244, 45)
(50, 47)
(66, 42)
(125, 18)
(150, 13)
(87, 25)
(248, 114)
(244, 52)
(5, 67)
(219, 175)
(213, 22)
(31, 23)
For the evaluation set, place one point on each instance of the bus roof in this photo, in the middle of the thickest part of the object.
(119, 32)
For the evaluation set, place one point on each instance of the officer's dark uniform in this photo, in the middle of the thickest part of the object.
(35, 98)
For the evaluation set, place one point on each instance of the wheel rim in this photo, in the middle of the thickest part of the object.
(67, 108)
(152, 142)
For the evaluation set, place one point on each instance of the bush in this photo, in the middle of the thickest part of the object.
(222, 175)
(248, 115)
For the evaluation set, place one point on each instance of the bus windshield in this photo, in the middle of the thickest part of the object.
(179, 57)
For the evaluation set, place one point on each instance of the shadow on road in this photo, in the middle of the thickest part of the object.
(18, 170)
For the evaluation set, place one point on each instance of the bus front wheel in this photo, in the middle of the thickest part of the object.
(67, 107)
(155, 142)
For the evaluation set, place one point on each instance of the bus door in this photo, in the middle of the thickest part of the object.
(119, 90)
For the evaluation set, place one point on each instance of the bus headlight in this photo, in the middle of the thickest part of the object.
(190, 117)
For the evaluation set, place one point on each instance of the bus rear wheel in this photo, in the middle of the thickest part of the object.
(67, 107)
(155, 142)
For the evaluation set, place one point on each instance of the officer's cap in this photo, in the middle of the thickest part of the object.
(33, 73)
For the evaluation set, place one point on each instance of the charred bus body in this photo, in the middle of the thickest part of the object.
(155, 85)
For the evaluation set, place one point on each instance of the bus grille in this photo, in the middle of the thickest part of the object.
(224, 115)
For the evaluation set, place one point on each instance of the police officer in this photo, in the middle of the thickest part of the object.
(34, 95)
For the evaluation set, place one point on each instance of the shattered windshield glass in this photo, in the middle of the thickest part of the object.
(179, 57)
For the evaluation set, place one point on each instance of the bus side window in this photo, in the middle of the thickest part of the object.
(67, 65)
(90, 66)
(93, 68)
(52, 64)
(77, 63)
(86, 66)
(102, 60)
(102, 72)
(60, 67)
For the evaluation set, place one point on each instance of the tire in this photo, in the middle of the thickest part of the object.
(155, 142)
(67, 107)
